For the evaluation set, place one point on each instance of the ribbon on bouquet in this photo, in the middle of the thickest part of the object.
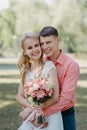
(39, 117)
(36, 114)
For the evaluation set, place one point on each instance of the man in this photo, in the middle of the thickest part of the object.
(68, 73)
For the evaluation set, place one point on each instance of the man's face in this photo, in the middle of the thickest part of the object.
(49, 45)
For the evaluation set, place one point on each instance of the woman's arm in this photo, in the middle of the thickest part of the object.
(20, 98)
(52, 77)
(22, 101)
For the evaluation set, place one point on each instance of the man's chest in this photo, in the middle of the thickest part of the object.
(61, 74)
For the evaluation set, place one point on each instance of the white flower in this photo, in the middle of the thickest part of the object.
(31, 89)
(47, 88)
(30, 100)
(35, 86)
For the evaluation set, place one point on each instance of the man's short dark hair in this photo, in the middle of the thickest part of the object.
(48, 30)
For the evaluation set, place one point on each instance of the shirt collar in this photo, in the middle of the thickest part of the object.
(60, 59)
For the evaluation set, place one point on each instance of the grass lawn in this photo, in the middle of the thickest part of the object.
(9, 108)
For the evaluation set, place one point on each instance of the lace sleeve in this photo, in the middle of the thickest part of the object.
(47, 67)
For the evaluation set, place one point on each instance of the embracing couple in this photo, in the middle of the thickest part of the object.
(62, 72)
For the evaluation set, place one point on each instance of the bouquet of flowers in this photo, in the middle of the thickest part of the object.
(37, 91)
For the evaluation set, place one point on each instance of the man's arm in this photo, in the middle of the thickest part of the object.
(68, 90)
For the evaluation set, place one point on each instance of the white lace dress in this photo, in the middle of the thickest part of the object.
(54, 120)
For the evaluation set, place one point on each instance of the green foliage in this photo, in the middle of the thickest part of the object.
(72, 24)
(10, 109)
(7, 29)
(31, 15)
(69, 17)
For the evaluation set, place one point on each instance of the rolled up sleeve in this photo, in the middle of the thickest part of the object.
(68, 93)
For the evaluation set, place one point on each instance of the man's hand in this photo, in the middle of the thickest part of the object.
(44, 125)
(34, 122)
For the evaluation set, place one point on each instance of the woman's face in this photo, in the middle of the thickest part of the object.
(32, 49)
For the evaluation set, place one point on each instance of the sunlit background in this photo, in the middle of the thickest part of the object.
(20, 16)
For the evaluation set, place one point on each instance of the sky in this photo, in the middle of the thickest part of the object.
(4, 4)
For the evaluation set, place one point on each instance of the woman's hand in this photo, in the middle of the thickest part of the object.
(37, 107)
(35, 121)
(31, 117)
(25, 113)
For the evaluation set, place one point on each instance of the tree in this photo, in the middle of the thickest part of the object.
(71, 20)
(31, 15)
(8, 20)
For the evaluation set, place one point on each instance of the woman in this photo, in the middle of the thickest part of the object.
(31, 64)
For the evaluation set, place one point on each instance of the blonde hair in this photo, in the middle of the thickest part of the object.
(24, 62)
